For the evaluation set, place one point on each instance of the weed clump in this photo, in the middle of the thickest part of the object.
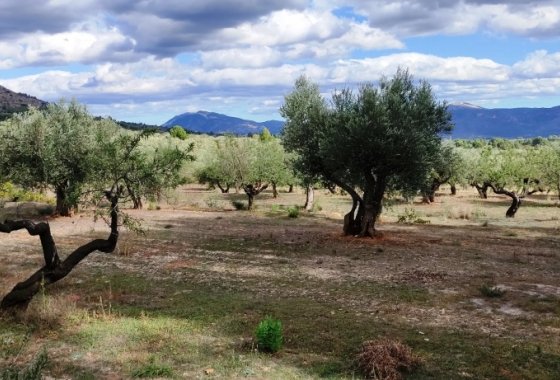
(411, 217)
(32, 372)
(386, 359)
(153, 369)
(491, 291)
(269, 335)
(238, 205)
(293, 212)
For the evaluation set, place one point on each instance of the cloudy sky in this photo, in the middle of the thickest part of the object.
(148, 60)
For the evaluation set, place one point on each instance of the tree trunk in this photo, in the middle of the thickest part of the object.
(453, 189)
(137, 203)
(253, 190)
(223, 189)
(250, 199)
(63, 207)
(309, 198)
(136, 200)
(482, 190)
(274, 190)
(353, 219)
(373, 204)
(515, 200)
(290, 188)
(55, 269)
(433, 188)
(515, 204)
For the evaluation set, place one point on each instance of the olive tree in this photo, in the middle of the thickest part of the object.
(52, 148)
(252, 164)
(447, 167)
(114, 176)
(219, 171)
(379, 138)
(513, 172)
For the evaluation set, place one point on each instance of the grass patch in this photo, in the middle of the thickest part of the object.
(153, 369)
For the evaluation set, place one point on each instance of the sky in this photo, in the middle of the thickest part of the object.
(149, 60)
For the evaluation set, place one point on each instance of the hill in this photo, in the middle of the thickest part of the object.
(11, 102)
(472, 122)
(219, 124)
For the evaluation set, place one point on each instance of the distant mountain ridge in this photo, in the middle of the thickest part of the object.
(477, 122)
(219, 124)
(11, 102)
(471, 121)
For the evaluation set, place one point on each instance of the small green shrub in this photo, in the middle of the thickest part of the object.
(491, 291)
(293, 212)
(269, 335)
(178, 132)
(32, 372)
(411, 217)
(153, 369)
(239, 205)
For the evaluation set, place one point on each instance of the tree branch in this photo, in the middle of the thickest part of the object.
(54, 269)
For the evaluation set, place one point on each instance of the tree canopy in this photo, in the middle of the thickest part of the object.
(65, 149)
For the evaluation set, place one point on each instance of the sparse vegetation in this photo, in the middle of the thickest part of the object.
(491, 291)
(32, 372)
(153, 369)
(293, 212)
(239, 205)
(411, 217)
(182, 300)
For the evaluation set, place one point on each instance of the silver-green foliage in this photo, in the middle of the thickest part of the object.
(66, 149)
(379, 138)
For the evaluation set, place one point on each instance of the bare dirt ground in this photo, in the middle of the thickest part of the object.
(421, 283)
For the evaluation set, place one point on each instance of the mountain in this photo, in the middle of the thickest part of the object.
(215, 123)
(473, 121)
(11, 102)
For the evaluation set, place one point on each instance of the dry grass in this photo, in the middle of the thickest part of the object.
(385, 359)
(185, 296)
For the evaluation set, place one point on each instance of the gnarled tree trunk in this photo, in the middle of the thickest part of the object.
(63, 207)
(136, 199)
(482, 190)
(223, 189)
(309, 198)
(55, 269)
(453, 189)
(274, 190)
(515, 199)
(253, 190)
(373, 203)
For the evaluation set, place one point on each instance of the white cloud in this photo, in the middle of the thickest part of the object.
(413, 18)
(152, 80)
(88, 42)
(454, 69)
(539, 64)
